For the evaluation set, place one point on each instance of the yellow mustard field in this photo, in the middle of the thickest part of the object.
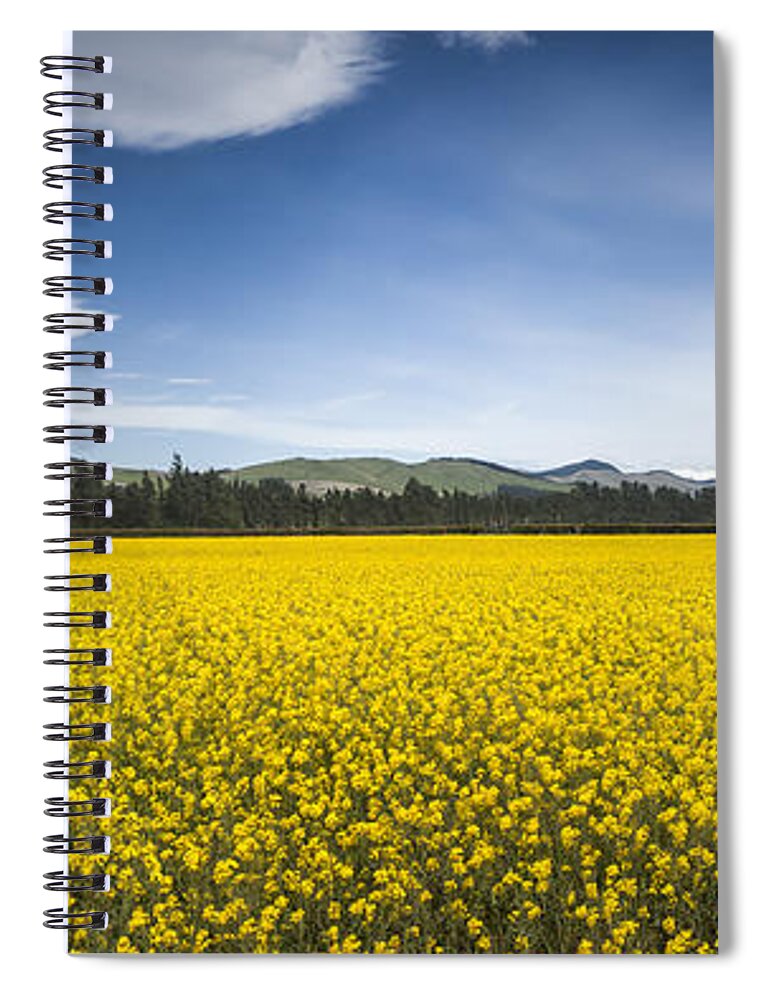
(408, 744)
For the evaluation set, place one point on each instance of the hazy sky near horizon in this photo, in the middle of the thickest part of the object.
(411, 244)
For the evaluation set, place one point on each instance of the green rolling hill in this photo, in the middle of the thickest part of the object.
(387, 474)
(468, 475)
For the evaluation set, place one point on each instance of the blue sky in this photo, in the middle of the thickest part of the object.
(413, 245)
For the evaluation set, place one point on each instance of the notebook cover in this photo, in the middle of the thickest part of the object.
(413, 581)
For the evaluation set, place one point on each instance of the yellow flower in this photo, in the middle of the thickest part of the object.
(322, 743)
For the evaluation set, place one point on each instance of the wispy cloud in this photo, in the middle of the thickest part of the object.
(489, 41)
(353, 401)
(479, 417)
(292, 431)
(210, 85)
(229, 397)
(189, 381)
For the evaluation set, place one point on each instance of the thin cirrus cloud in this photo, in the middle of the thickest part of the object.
(180, 380)
(285, 429)
(200, 86)
(489, 41)
(493, 423)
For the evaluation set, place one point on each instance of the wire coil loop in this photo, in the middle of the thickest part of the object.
(63, 882)
(59, 249)
(87, 323)
(59, 433)
(54, 66)
(59, 919)
(57, 138)
(100, 545)
(101, 471)
(59, 361)
(92, 694)
(59, 174)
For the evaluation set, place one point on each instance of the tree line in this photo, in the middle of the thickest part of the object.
(186, 499)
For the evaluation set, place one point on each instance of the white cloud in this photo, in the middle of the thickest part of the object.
(489, 41)
(176, 88)
(189, 381)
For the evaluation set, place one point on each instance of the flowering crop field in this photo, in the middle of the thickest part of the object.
(409, 744)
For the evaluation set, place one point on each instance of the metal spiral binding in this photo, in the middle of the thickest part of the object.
(78, 619)
(97, 694)
(80, 470)
(79, 807)
(57, 360)
(70, 248)
(60, 173)
(59, 249)
(101, 545)
(97, 433)
(80, 508)
(57, 138)
(66, 770)
(53, 66)
(98, 657)
(58, 211)
(100, 582)
(56, 100)
(92, 323)
(65, 395)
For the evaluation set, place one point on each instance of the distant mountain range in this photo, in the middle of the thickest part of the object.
(593, 471)
(469, 475)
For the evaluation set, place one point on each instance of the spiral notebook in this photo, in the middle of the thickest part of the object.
(385, 561)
